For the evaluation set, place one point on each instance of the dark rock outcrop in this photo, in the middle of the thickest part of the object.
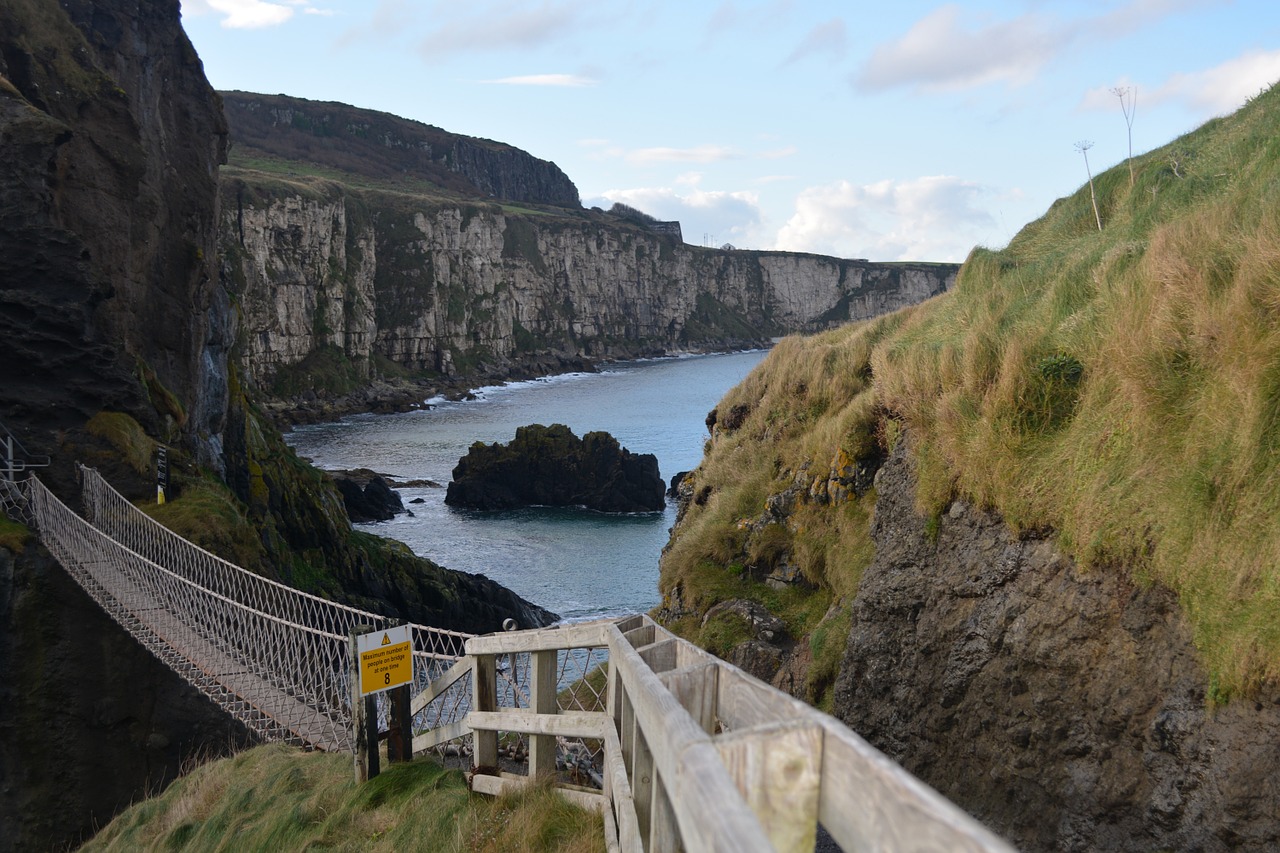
(111, 301)
(1065, 709)
(110, 141)
(92, 721)
(550, 466)
(368, 498)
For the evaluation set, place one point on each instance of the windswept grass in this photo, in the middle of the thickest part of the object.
(1121, 388)
(804, 418)
(277, 798)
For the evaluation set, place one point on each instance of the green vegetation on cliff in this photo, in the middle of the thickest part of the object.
(278, 798)
(1118, 387)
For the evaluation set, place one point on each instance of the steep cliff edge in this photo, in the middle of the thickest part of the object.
(1054, 599)
(112, 139)
(115, 333)
(382, 146)
(366, 250)
(1065, 707)
(339, 284)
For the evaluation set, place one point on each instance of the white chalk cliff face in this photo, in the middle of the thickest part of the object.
(466, 288)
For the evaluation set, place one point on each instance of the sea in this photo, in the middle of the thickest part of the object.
(575, 562)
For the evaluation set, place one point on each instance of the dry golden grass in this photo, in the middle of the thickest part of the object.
(1121, 388)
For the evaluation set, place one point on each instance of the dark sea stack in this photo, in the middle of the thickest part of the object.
(550, 466)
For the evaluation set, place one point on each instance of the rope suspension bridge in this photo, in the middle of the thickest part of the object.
(677, 749)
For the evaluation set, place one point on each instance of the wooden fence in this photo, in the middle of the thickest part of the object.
(697, 754)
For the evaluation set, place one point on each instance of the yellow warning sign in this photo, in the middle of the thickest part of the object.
(386, 659)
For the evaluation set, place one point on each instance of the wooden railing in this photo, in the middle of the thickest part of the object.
(697, 754)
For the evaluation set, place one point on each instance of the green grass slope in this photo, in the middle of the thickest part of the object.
(276, 798)
(1120, 388)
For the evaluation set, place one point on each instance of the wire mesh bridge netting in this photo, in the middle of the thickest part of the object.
(274, 657)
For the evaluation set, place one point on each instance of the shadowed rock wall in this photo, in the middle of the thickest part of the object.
(1064, 709)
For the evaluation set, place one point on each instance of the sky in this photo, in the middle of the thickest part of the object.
(889, 130)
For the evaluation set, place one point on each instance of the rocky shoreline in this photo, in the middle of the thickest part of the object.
(391, 395)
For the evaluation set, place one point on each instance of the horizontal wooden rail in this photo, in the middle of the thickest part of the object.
(697, 754)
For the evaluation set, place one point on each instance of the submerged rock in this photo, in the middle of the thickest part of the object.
(550, 466)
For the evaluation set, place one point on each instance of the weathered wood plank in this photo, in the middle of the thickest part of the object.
(495, 786)
(592, 724)
(446, 680)
(626, 623)
(744, 701)
(778, 770)
(709, 810)
(610, 829)
(576, 636)
(484, 697)
(641, 636)
(619, 792)
(695, 689)
(664, 835)
(660, 655)
(891, 809)
(439, 735)
(542, 699)
(642, 785)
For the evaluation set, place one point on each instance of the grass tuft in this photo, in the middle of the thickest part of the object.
(278, 798)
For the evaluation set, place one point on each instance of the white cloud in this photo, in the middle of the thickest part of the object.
(732, 217)
(1223, 88)
(941, 52)
(241, 14)
(927, 219)
(502, 25)
(697, 154)
(779, 153)
(563, 80)
(1214, 91)
(828, 38)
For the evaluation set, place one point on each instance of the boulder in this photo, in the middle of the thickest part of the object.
(550, 466)
(368, 498)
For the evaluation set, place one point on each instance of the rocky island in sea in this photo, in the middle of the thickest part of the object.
(550, 466)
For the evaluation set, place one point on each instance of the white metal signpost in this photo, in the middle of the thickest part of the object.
(386, 659)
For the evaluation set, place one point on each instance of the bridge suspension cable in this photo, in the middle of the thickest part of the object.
(274, 657)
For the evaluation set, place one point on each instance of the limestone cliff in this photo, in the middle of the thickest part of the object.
(475, 289)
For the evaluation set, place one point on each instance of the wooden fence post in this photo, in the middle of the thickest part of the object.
(484, 697)
(542, 700)
(359, 730)
(400, 727)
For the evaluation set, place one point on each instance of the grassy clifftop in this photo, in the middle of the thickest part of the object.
(1120, 387)
(278, 798)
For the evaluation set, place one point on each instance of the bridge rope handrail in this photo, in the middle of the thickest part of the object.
(116, 516)
(275, 657)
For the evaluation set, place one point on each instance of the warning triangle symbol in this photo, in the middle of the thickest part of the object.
(386, 639)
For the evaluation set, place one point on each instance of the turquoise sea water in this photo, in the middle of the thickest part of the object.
(578, 563)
